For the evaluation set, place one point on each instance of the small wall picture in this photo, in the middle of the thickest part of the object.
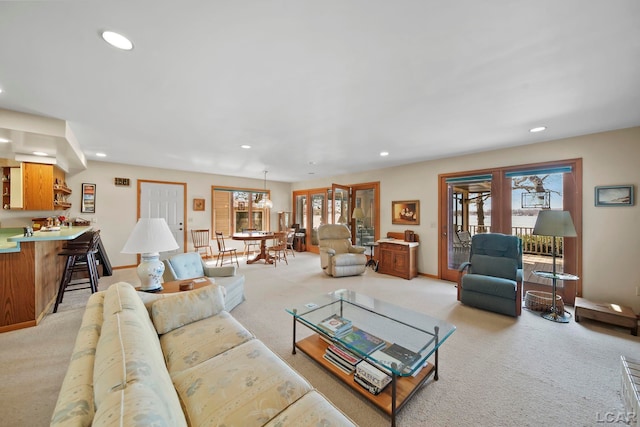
(198, 204)
(405, 212)
(614, 195)
(88, 203)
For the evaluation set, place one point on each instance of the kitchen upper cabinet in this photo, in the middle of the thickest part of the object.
(43, 187)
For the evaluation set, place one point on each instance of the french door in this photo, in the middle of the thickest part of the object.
(507, 200)
(357, 206)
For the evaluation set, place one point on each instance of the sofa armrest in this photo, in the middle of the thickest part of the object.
(223, 271)
(328, 251)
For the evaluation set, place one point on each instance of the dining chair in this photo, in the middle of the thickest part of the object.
(223, 251)
(202, 240)
(248, 244)
(279, 248)
(291, 234)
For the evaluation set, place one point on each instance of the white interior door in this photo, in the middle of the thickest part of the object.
(159, 200)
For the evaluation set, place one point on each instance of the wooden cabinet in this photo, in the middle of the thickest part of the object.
(44, 188)
(398, 258)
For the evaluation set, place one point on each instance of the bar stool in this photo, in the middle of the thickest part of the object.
(81, 256)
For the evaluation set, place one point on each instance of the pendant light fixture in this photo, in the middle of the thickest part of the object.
(264, 201)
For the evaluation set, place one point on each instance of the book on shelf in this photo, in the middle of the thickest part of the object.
(335, 325)
(335, 361)
(344, 354)
(373, 389)
(372, 374)
(405, 359)
(363, 341)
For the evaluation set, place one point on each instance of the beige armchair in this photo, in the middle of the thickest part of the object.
(337, 256)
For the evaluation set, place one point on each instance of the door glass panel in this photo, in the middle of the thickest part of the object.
(531, 194)
(301, 211)
(364, 215)
(469, 214)
(318, 210)
(341, 211)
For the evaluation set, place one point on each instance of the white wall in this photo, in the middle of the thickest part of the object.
(611, 235)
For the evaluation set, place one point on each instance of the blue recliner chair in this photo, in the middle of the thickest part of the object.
(190, 265)
(493, 279)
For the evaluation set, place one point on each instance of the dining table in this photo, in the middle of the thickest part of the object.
(263, 236)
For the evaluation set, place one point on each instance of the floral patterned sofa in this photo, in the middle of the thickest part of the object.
(179, 360)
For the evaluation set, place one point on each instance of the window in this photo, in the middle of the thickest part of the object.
(238, 209)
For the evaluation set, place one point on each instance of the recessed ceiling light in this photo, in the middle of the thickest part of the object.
(537, 129)
(117, 40)
(245, 146)
(101, 155)
(384, 153)
(39, 153)
(3, 140)
(0, 90)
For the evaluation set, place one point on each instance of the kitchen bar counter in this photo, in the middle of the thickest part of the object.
(30, 271)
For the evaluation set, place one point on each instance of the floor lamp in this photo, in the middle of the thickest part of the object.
(149, 237)
(555, 224)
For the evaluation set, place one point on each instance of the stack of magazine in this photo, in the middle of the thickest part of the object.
(335, 326)
(342, 358)
(371, 378)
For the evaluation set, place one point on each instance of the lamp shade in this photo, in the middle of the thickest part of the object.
(150, 235)
(358, 213)
(554, 223)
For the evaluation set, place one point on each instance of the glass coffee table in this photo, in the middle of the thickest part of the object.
(384, 328)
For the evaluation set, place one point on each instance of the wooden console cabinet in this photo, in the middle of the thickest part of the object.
(398, 258)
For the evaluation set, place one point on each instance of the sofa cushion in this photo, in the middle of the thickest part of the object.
(495, 286)
(182, 308)
(494, 266)
(244, 386)
(184, 347)
(312, 409)
(75, 402)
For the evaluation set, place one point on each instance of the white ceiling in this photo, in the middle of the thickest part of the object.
(320, 86)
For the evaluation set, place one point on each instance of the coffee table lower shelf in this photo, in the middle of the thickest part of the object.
(315, 347)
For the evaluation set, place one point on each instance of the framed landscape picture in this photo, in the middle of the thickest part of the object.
(405, 212)
(614, 195)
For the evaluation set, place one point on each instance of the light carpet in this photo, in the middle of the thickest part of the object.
(494, 370)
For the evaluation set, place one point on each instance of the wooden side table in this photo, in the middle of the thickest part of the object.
(174, 286)
(613, 314)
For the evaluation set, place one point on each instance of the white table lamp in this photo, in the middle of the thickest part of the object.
(149, 237)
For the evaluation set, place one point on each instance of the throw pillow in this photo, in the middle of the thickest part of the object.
(179, 309)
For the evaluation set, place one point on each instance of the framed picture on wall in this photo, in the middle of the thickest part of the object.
(405, 212)
(198, 204)
(88, 203)
(614, 195)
